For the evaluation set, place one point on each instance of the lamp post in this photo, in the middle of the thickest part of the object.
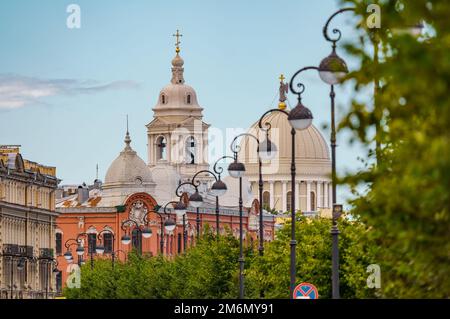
(196, 201)
(332, 70)
(80, 249)
(334, 228)
(266, 154)
(126, 239)
(236, 170)
(146, 232)
(180, 210)
(300, 118)
(51, 271)
(217, 189)
(167, 224)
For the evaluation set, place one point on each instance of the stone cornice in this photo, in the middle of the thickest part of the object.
(30, 209)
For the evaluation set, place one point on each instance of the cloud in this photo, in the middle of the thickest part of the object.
(18, 91)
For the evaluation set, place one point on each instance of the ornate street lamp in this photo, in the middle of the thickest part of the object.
(217, 189)
(79, 250)
(236, 170)
(126, 239)
(195, 200)
(146, 232)
(266, 151)
(332, 69)
(300, 118)
(180, 211)
(166, 224)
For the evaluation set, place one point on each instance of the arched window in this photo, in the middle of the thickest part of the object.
(313, 201)
(190, 150)
(161, 148)
(288, 201)
(188, 99)
(163, 99)
(266, 200)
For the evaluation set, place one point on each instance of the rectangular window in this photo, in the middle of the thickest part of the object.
(58, 244)
(59, 283)
(136, 239)
(92, 243)
(108, 242)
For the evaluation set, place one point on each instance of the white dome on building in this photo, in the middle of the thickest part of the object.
(127, 174)
(127, 168)
(313, 165)
(177, 98)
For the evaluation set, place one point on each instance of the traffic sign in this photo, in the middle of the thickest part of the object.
(305, 290)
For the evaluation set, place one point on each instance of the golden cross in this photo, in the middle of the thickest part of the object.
(281, 78)
(177, 44)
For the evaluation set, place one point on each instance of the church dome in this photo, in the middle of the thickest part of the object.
(309, 143)
(311, 150)
(177, 61)
(127, 169)
(177, 98)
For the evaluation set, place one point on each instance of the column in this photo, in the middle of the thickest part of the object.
(325, 194)
(330, 197)
(308, 196)
(271, 190)
(284, 196)
(319, 194)
(297, 196)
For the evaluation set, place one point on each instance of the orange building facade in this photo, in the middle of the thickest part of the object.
(103, 226)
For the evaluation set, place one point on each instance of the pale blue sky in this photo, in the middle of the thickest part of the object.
(71, 88)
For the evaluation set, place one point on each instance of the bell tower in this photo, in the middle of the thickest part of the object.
(177, 136)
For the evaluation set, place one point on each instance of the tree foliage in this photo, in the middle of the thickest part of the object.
(270, 274)
(407, 198)
(211, 270)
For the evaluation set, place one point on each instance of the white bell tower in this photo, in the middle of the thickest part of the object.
(177, 135)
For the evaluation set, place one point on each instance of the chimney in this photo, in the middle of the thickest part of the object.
(83, 194)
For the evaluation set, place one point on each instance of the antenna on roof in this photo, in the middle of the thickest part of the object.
(96, 174)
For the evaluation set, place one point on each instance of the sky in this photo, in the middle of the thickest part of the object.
(65, 93)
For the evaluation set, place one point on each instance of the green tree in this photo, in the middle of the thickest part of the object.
(407, 197)
(270, 274)
(207, 270)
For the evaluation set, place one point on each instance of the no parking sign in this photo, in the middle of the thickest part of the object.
(305, 290)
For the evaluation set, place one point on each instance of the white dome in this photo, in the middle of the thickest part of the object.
(128, 169)
(177, 98)
(309, 143)
(174, 98)
(311, 150)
